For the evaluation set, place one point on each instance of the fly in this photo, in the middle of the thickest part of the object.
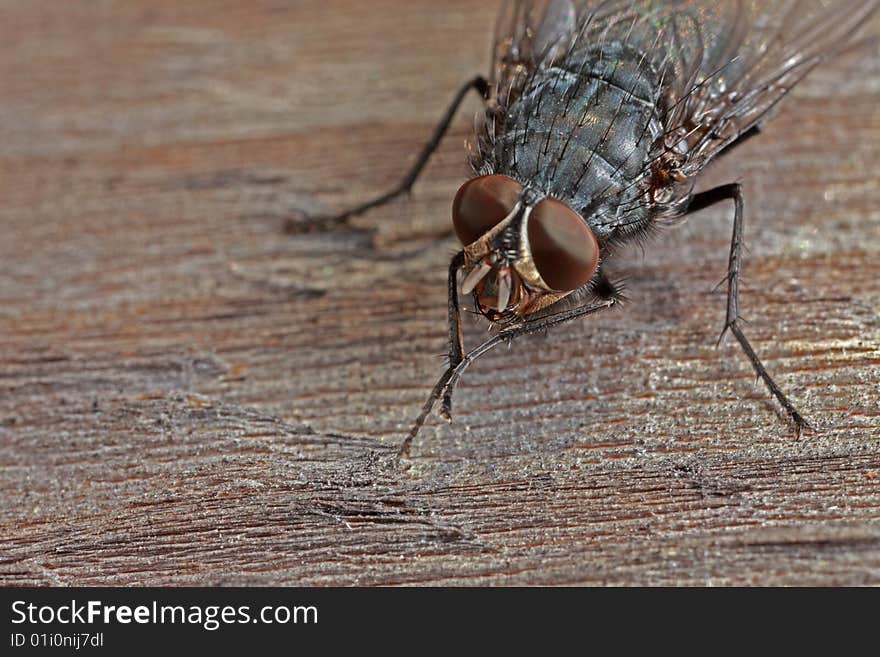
(598, 118)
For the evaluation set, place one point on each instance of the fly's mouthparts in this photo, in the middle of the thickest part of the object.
(476, 275)
(499, 293)
(505, 286)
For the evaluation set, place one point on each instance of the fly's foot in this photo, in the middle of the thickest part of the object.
(446, 407)
(800, 424)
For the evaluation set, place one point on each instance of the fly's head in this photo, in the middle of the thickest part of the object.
(522, 251)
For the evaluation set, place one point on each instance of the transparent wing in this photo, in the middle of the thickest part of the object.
(535, 34)
(753, 58)
(527, 33)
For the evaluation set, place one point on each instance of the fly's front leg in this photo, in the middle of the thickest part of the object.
(456, 350)
(510, 333)
(702, 200)
(603, 288)
(452, 375)
(456, 346)
(311, 224)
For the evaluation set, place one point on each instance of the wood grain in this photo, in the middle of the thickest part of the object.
(190, 396)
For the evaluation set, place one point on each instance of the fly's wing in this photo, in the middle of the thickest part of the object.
(752, 57)
(528, 36)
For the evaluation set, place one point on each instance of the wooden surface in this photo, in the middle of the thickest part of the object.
(190, 396)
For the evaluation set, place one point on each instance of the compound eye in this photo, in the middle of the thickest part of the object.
(481, 204)
(563, 246)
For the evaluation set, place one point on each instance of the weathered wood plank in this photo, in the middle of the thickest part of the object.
(189, 396)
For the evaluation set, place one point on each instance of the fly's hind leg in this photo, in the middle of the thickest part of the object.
(329, 222)
(733, 192)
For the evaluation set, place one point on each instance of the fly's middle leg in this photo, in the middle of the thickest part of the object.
(733, 192)
(319, 223)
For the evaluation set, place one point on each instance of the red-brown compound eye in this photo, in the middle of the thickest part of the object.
(480, 205)
(563, 246)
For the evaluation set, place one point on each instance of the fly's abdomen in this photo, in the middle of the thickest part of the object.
(582, 129)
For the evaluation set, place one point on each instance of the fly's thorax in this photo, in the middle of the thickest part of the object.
(534, 250)
(582, 127)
